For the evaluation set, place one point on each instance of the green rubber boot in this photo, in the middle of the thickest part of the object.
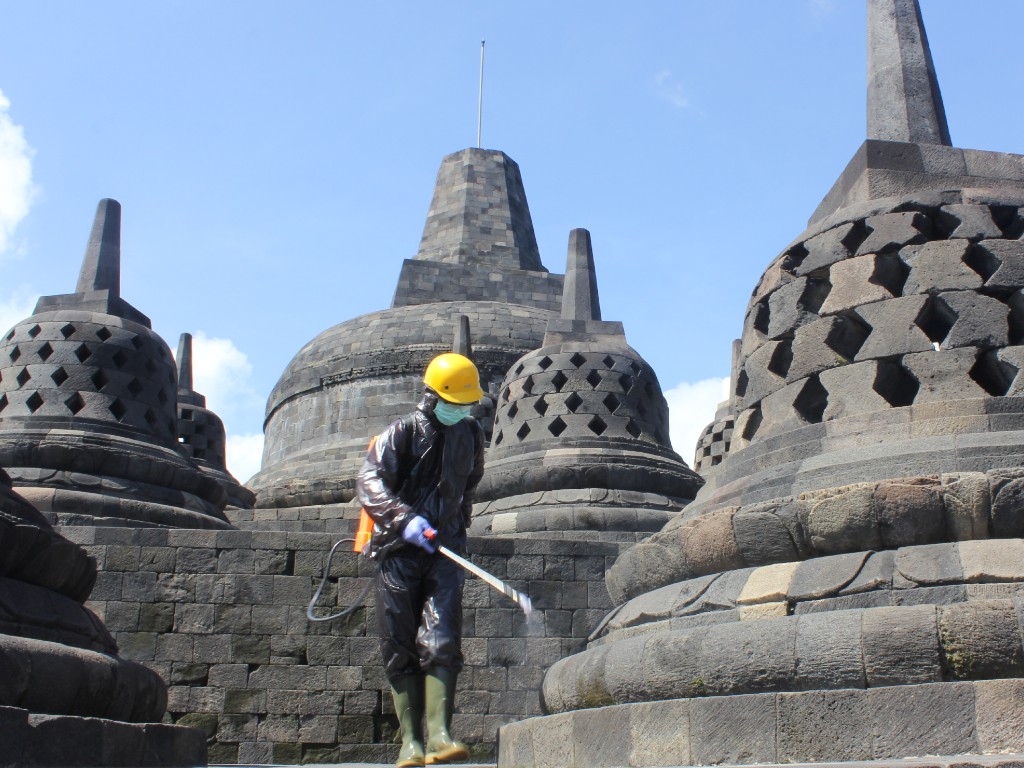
(407, 693)
(441, 747)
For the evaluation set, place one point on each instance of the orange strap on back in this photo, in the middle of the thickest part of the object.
(365, 529)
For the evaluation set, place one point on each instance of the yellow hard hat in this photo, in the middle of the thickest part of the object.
(454, 378)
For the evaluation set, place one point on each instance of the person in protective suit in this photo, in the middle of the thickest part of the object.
(417, 484)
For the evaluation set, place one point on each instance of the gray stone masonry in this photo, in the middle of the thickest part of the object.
(221, 616)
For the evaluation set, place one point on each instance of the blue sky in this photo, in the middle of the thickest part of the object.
(275, 161)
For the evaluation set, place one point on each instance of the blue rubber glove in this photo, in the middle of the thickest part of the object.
(418, 531)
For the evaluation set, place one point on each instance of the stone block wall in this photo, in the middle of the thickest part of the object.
(221, 616)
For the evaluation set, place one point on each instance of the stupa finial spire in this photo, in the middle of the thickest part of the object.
(101, 268)
(184, 361)
(579, 297)
(904, 102)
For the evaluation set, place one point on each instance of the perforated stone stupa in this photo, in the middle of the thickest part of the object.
(478, 258)
(581, 439)
(88, 422)
(844, 587)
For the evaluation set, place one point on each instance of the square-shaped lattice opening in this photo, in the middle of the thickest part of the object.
(103, 334)
(75, 403)
(577, 359)
(573, 402)
(557, 426)
(59, 376)
(34, 402)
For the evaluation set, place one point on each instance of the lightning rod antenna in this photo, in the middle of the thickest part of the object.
(480, 98)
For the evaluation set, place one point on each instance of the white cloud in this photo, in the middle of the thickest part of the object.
(245, 454)
(691, 408)
(670, 90)
(16, 190)
(16, 307)
(222, 373)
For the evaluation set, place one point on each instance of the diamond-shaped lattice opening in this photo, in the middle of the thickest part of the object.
(597, 425)
(118, 409)
(753, 423)
(782, 358)
(75, 403)
(135, 386)
(100, 380)
(993, 375)
(811, 401)
(512, 411)
(67, 330)
(633, 429)
(625, 382)
(103, 334)
(577, 359)
(518, 370)
(150, 417)
(557, 426)
(611, 402)
(200, 429)
(150, 366)
(936, 319)
(15, 354)
(23, 377)
(138, 342)
(544, 363)
(540, 405)
(45, 351)
(895, 384)
(34, 402)
(760, 321)
(635, 367)
(573, 402)
(846, 336)
(891, 273)
(171, 426)
(650, 389)
(119, 359)
(83, 353)
(34, 331)
(815, 292)
(162, 396)
(794, 258)
(742, 380)
(641, 409)
(523, 431)
(504, 395)
(608, 361)
(3, 402)
(59, 376)
(559, 380)
(594, 378)
(981, 261)
(497, 438)
(528, 385)
(10, 335)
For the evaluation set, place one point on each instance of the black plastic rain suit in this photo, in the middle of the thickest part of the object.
(419, 467)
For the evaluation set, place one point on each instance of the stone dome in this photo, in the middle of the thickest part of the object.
(88, 422)
(583, 412)
(355, 378)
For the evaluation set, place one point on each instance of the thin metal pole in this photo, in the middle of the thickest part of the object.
(480, 98)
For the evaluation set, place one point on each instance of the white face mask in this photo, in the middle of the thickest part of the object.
(450, 413)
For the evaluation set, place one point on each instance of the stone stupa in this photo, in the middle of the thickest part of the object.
(845, 585)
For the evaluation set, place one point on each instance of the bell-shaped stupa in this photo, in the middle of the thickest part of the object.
(581, 437)
(88, 422)
(845, 585)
